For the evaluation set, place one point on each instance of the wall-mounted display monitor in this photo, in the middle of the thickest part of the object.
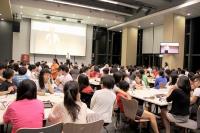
(169, 48)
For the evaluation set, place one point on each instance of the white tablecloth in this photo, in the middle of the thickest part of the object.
(54, 98)
(151, 95)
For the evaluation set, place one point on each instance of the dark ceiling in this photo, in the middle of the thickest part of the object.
(130, 9)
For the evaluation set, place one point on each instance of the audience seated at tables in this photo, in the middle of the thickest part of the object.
(103, 100)
(140, 112)
(114, 69)
(7, 86)
(195, 97)
(155, 72)
(105, 71)
(54, 68)
(84, 70)
(32, 72)
(95, 72)
(85, 89)
(26, 111)
(179, 95)
(2, 68)
(144, 77)
(172, 79)
(167, 74)
(72, 110)
(63, 77)
(161, 81)
(118, 77)
(84, 84)
(138, 83)
(74, 72)
(20, 76)
(45, 83)
(16, 68)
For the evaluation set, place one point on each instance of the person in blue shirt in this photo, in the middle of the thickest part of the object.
(161, 81)
(21, 76)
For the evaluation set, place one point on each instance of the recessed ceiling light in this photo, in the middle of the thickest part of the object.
(88, 17)
(120, 31)
(139, 26)
(188, 14)
(2, 19)
(0, 14)
(151, 23)
(21, 7)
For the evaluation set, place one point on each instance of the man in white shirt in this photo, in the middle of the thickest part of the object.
(103, 100)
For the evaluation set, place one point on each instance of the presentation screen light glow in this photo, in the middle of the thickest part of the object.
(58, 38)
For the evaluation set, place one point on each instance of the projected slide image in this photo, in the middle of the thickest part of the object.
(58, 39)
(169, 48)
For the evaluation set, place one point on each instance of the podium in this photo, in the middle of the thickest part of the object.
(25, 58)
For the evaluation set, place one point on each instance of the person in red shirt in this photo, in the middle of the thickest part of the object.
(84, 85)
(123, 85)
(85, 90)
(95, 73)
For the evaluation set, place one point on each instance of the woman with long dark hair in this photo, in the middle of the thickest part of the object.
(72, 110)
(179, 95)
(45, 82)
(84, 84)
(18, 112)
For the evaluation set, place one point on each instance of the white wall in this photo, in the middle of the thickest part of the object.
(21, 45)
(151, 40)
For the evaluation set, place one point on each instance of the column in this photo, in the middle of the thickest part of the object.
(129, 46)
(174, 31)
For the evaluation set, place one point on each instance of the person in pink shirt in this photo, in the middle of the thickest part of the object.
(26, 111)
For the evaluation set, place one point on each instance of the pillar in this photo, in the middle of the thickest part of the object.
(129, 46)
(174, 31)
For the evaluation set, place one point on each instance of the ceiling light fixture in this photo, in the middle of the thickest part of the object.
(110, 1)
(2, 19)
(120, 3)
(0, 14)
(74, 4)
(151, 23)
(139, 26)
(88, 7)
(188, 14)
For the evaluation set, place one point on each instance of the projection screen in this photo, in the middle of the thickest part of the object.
(57, 38)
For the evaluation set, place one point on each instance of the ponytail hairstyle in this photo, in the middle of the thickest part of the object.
(71, 90)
